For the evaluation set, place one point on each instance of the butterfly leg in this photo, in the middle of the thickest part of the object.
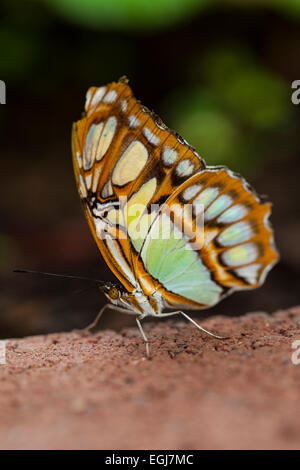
(194, 323)
(96, 320)
(201, 328)
(138, 320)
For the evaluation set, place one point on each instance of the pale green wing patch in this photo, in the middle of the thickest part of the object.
(168, 257)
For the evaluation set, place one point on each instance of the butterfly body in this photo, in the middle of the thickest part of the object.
(178, 234)
(136, 302)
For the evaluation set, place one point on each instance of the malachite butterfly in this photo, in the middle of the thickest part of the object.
(126, 162)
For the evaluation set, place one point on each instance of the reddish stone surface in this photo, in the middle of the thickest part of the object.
(70, 391)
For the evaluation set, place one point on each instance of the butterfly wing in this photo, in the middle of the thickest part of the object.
(211, 238)
(127, 162)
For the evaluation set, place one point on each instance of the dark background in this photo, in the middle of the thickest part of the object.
(219, 73)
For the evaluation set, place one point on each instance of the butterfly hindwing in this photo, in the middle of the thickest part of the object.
(226, 241)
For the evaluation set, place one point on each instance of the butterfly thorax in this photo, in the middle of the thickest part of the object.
(136, 302)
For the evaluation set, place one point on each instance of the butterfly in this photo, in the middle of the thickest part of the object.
(135, 179)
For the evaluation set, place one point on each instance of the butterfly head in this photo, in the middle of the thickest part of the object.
(111, 290)
(135, 302)
(116, 294)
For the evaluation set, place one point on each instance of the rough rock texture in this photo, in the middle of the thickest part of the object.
(97, 391)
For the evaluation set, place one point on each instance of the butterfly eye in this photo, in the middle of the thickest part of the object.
(113, 293)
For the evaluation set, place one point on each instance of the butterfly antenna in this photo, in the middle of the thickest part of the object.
(81, 291)
(66, 276)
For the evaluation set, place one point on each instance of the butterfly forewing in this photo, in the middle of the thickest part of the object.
(125, 158)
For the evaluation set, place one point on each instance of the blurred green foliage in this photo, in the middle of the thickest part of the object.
(292, 7)
(23, 50)
(133, 14)
(235, 108)
(154, 14)
(230, 105)
(245, 87)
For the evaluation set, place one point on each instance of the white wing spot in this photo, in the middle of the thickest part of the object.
(234, 213)
(218, 206)
(185, 168)
(206, 196)
(236, 233)
(152, 139)
(191, 192)
(241, 254)
(88, 180)
(96, 179)
(106, 137)
(169, 156)
(249, 273)
(98, 95)
(81, 188)
(130, 163)
(91, 144)
(110, 97)
(133, 121)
